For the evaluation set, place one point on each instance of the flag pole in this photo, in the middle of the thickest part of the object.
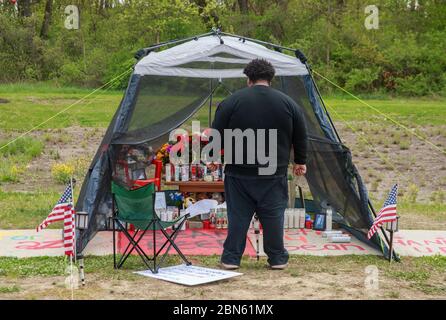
(391, 246)
(74, 219)
(73, 255)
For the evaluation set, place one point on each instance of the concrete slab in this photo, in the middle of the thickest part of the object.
(417, 243)
(310, 242)
(29, 243)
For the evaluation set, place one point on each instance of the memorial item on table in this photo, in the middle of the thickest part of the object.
(177, 172)
(326, 234)
(185, 172)
(219, 224)
(160, 201)
(206, 224)
(188, 201)
(296, 218)
(308, 224)
(175, 214)
(202, 172)
(163, 153)
(131, 163)
(218, 196)
(342, 238)
(201, 207)
(225, 219)
(174, 198)
(172, 213)
(319, 222)
(201, 196)
(328, 211)
(213, 218)
(217, 172)
(193, 172)
(204, 216)
(183, 227)
(195, 224)
(286, 218)
(302, 217)
(329, 222)
(168, 172)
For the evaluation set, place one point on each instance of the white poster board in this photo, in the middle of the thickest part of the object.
(189, 275)
(160, 201)
(201, 207)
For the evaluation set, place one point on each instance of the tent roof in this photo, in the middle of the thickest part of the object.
(170, 62)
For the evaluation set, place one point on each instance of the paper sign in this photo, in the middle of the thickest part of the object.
(160, 201)
(189, 275)
(201, 207)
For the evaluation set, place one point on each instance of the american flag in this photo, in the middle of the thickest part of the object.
(63, 211)
(387, 213)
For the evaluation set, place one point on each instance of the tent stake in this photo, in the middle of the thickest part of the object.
(391, 247)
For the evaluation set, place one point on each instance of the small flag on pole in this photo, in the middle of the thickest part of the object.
(387, 213)
(63, 211)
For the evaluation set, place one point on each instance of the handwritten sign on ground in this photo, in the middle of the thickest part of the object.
(419, 243)
(190, 275)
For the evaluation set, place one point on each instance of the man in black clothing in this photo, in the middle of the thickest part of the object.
(247, 189)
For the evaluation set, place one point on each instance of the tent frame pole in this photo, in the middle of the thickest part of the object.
(175, 41)
(214, 32)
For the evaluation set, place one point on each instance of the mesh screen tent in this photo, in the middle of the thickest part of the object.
(169, 86)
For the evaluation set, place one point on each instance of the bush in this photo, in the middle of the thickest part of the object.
(417, 85)
(362, 80)
(412, 193)
(16, 156)
(62, 172)
(438, 196)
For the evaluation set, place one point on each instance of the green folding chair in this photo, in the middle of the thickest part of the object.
(137, 207)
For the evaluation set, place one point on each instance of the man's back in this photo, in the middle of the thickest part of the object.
(262, 107)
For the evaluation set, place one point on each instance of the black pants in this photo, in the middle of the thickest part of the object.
(268, 197)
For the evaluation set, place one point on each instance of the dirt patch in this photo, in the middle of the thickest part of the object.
(61, 146)
(345, 283)
(406, 160)
(4, 100)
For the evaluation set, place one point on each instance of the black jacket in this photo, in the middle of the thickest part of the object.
(262, 107)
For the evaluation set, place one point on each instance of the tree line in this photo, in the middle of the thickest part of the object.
(402, 53)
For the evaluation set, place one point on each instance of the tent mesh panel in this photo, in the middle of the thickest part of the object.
(163, 103)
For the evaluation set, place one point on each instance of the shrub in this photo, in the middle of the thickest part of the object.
(412, 193)
(62, 172)
(438, 196)
(16, 156)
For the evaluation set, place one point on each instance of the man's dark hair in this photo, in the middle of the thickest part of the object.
(259, 69)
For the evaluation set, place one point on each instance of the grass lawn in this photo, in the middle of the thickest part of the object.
(36, 103)
(307, 277)
(28, 191)
(410, 112)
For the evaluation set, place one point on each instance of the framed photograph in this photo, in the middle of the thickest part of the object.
(160, 201)
(319, 221)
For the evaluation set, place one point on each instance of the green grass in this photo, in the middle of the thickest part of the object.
(25, 210)
(28, 109)
(407, 111)
(16, 156)
(38, 102)
(10, 289)
(422, 277)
